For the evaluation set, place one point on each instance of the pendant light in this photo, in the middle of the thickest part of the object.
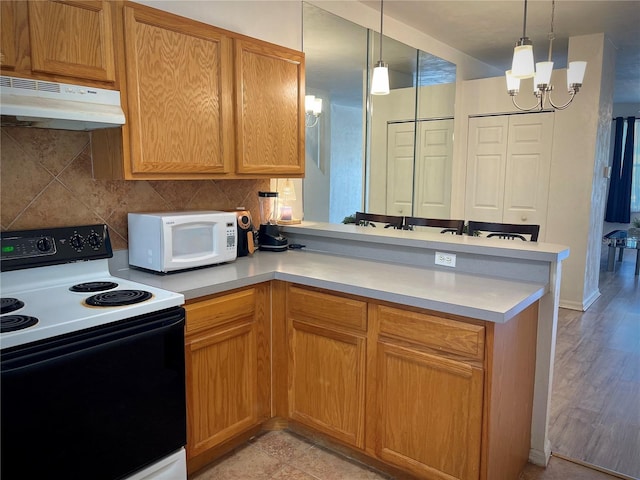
(542, 86)
(380, 79)
(522, 64)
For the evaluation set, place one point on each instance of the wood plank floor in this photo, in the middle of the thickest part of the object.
(595, 406)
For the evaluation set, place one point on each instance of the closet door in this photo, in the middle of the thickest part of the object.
(400, 148)
(486, 166)
(508, 165)
(526, 188)
(432, 195)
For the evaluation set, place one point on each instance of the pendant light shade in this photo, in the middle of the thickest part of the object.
(543, 74)
(513, 83)
(523, 64)
(380, 78)
(575, 74)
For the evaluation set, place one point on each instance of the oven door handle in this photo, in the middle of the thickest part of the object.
(75, 344)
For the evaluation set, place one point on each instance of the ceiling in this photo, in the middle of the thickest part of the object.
(487, 30)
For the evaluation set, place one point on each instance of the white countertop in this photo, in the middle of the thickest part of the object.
(539, 251)
(477, 296)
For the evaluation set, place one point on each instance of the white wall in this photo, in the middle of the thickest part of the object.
(580, 143)
(316, 185)
(345, 197)
(601, 160)
(274, 21)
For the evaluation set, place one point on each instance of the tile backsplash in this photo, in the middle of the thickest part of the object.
(46, 181)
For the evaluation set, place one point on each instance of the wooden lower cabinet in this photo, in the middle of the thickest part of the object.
(426, 407)
(327, 360)
(227, 367)
(421, 393)
(438, 396)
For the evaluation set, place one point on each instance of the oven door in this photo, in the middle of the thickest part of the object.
(101, 403)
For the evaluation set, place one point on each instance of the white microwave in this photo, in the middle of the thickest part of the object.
(171, 241)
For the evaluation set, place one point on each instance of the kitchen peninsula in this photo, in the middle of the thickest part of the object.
(361, 318)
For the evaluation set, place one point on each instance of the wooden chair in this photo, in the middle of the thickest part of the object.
(449, 226)
(509, 231)
(372, 218)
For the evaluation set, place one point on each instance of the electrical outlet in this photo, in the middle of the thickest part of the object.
(446, 259)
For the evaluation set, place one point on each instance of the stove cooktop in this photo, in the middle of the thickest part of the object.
(61, 298)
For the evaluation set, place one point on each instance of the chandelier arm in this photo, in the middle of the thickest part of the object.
(537, 105)
(562, 107)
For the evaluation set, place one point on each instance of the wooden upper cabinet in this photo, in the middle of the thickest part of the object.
(201, 102)
(179, 89)
(269, 108)
(8, 48)
(72, 39)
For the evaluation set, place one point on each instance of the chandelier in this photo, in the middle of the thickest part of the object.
(523, 67)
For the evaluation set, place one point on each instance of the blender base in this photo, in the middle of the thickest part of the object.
(273, 248)
(270, 240)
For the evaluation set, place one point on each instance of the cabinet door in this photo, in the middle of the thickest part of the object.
(269, 109)
(227, 366)
(327, 381)
(179, 82)
(327, 352)
(74, 39)
(429, 413)
(8, 48)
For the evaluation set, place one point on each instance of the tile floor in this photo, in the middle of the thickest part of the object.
(285, 456)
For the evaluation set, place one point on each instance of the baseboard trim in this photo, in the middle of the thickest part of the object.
(540, 457)
(593, 467)
(592, 298)
(580, 306)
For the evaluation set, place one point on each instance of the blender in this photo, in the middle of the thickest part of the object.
(269, 237)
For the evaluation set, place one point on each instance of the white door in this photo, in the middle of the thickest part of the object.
(526, 189)
(432, 196)
(486, 165)
(400, 149)
(508, 165)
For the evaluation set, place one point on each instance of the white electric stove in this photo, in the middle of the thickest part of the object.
(92, 365)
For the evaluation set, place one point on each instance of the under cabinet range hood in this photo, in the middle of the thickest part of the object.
(42, 104)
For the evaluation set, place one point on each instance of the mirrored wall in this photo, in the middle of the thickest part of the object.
(381, 154)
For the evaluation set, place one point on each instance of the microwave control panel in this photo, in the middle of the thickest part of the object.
(232, 234)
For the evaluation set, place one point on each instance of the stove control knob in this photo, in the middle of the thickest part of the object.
(77, 241)
(95, 240)
(44, 244)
